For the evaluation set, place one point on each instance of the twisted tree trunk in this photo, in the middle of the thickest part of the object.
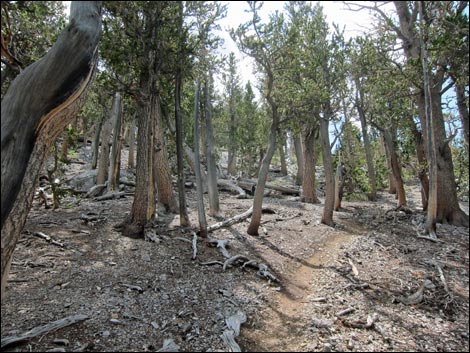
(37, 107)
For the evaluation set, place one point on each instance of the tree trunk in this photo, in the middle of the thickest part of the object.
(309, 138)
(200, 193)
(131, 160)
(462, 104)
(214, 208)
(96, 145)
(370, 163)
(395, 165)
(282, 155)
(164, 186)
(104, 152)
(339, 185)
(113, 174)
(327, 217)
(442, 201)
(422, 162)
(445, 199)
(392, 184)
(300, 160)
(262, 176)
(143, 207)
(37, 107)
(183, 210)
(232, 154)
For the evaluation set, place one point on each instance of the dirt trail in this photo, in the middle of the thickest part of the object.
(284, 328)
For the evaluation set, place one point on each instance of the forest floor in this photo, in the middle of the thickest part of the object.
(368, 284)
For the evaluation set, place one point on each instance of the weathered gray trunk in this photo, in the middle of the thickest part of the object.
(339, 185)
(95, 145)
(214, 208)
(200, 193)
(232, 153)
(103, 163)
(462, 104)
(327, 217)
(282, 155)
(262, 176)
(370, 163)
(300, 160)
(264, 166)
(183, 210)
(113, 174)
(40, 102)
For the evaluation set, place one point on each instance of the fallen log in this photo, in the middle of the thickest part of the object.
(250, 186)
(96, 190)
(237, 219)
(229, 186)
(110, 196)
(43, 330)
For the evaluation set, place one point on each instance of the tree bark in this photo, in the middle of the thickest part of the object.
(339, 185)
(232, 153)
(365, 136)
(162, 173)
(392, 184)
(395, 165)
(183, 210)
(143, 207)
(262, 176)
(300, 160)
(96, 145)
(103, 163)
(462, 104)
(214, 208)
(442, 201)
(113, 174)
(200, 194)
(282, 155)
(131, 160)
(327, 217)
(309, 138)
(37, 107)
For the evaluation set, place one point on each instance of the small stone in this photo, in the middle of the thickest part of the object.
(327, 347)
(115, 321)
(106, 333)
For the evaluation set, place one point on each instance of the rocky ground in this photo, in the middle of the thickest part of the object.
(368, 284)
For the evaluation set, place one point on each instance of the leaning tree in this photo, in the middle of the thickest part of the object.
(37, 107)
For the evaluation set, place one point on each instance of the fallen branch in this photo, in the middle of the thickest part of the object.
(113, 195)
(132, 287)
(353, 268)
(43, 330)
(48, 239)
(345, 312)
(210, 263)
(222, 245)
(229, 186)
(233, 259)
(237, 219)
(233, 323)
